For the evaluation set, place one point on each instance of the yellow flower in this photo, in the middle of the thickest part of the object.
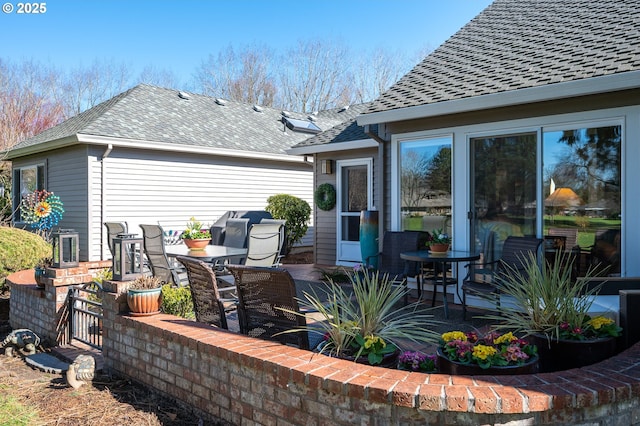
(483, 351)
(454, 335)
(42, 209)
(505, 338)
(598, 322)
(371, 340)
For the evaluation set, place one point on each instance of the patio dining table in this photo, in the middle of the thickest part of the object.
(445, 259)
(210, 253)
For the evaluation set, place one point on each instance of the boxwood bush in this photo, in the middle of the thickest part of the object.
(20, 250)
(295, 211)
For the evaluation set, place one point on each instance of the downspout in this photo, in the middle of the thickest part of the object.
(102, 195)
(381, 179)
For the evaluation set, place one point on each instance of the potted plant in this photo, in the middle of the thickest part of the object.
(365, 321)
(545, 303)
(438, 241)
(195, 236)
(144, 295)
(40, 270)
(492, 353)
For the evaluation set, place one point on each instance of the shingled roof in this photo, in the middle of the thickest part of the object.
(156, 115)
(517, 44)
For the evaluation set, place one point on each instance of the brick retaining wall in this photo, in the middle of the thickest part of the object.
(243, 380)
(44, 311)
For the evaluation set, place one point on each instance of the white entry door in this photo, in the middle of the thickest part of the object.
(355, 193)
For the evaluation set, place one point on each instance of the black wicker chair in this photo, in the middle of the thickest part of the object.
(262, 292)
(514, 252)
(208, 305)
(389, 261)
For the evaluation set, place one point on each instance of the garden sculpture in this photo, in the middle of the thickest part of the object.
(81, 371)
(24, 340)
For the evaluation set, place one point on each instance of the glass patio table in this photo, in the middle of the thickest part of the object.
(211, 253)
(444, 259)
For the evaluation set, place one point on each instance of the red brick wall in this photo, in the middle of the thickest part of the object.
(242, 380)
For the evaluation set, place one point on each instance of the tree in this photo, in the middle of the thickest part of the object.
(86, 87)
(244, 76)
(27, 101)
(313, 77)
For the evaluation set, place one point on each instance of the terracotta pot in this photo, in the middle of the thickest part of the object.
(566, 354)
(198, 244)
(439, 248)
(447, 366)
(144, 302)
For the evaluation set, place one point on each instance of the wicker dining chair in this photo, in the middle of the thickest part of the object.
(481, 279)
(208, 305)
(262, 294)
(390, 263)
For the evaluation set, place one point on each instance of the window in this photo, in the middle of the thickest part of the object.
(25, 181)
(425, 184)
(582, 190)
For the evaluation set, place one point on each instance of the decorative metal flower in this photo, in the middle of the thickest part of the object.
(41, 209)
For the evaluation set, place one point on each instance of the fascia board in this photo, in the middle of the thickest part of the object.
(587, 86)
(40, 147)
(164, 146)
(333, 147)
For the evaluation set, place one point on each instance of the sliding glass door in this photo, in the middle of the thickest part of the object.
(503, 182)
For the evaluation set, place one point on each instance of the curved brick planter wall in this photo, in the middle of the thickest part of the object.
(243, 380)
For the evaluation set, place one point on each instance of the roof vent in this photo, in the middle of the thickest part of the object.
(286, 113)
(344, 108)
(183, 95)
(312, 118)
(258, 108)
(220, 101)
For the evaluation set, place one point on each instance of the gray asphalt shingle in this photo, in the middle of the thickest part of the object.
(153, 114)
(516, 44)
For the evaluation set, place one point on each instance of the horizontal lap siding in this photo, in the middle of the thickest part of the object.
(143, 187)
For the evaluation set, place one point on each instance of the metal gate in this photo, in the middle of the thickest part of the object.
(85, 309)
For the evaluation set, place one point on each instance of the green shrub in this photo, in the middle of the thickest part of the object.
(295, 211)
(20, 250)
(177, 301)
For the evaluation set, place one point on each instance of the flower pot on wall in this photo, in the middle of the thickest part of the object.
(566, 354)
(196, 244)
(144, 302)
(447, 366)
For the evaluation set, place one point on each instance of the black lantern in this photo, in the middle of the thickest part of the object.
(66, 248)
(127, 257)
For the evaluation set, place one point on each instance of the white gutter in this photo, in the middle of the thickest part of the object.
(587, 86)
(166, 146)
(333, 147)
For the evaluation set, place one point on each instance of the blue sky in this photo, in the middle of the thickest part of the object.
(179, 35)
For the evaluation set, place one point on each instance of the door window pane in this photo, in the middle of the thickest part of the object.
(504, 190)
(582, 188)
(354, 188)
(425, 184)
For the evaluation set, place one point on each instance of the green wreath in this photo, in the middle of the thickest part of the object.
(325, 196)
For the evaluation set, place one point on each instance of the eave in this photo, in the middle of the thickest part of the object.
(150, 145)
(569, 89)
(333, 147)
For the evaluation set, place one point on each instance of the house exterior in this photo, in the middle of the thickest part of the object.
(155, 155)
(481, 137)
